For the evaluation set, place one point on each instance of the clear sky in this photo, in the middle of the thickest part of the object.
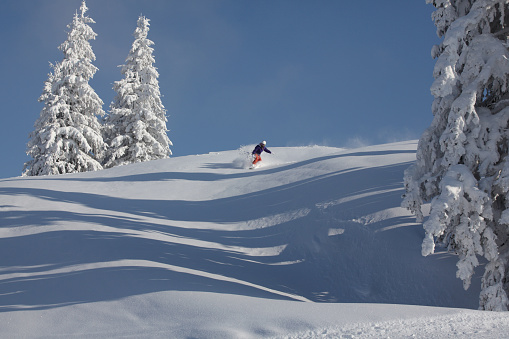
(235, 72)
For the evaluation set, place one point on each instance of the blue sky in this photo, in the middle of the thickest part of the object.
(235, 72)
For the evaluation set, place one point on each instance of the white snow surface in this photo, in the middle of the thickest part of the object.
(312, 244)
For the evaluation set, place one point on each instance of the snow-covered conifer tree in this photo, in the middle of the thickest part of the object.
(135, 128)
(462, 165)
(68, 136)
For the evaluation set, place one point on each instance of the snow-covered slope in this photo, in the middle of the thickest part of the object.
(202, 246)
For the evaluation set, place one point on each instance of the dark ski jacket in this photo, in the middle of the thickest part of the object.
(259, 149)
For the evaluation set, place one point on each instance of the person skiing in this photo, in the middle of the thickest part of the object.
(258, 151)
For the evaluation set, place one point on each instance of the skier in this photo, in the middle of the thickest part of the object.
(258, 150)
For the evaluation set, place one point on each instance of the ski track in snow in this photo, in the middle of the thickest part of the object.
(201, 246)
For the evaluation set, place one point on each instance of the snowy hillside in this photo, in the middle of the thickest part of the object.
(311, 244)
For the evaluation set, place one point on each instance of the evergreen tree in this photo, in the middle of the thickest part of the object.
(67, 137)
(462, 165)
(135, 128)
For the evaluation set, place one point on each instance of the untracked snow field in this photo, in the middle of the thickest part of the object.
(312, 244)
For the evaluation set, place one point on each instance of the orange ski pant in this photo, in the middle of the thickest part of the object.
(257, 158)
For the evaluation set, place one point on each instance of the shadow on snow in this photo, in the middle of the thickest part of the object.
(360, 262)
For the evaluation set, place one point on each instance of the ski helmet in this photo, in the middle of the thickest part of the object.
(263, 143)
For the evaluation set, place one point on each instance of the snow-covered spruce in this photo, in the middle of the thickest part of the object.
(462, 163)
(135, 128)
(67, 136)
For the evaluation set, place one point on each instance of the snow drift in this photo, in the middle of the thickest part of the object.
(199, 246)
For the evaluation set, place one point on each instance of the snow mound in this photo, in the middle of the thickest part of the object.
(198, 246)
